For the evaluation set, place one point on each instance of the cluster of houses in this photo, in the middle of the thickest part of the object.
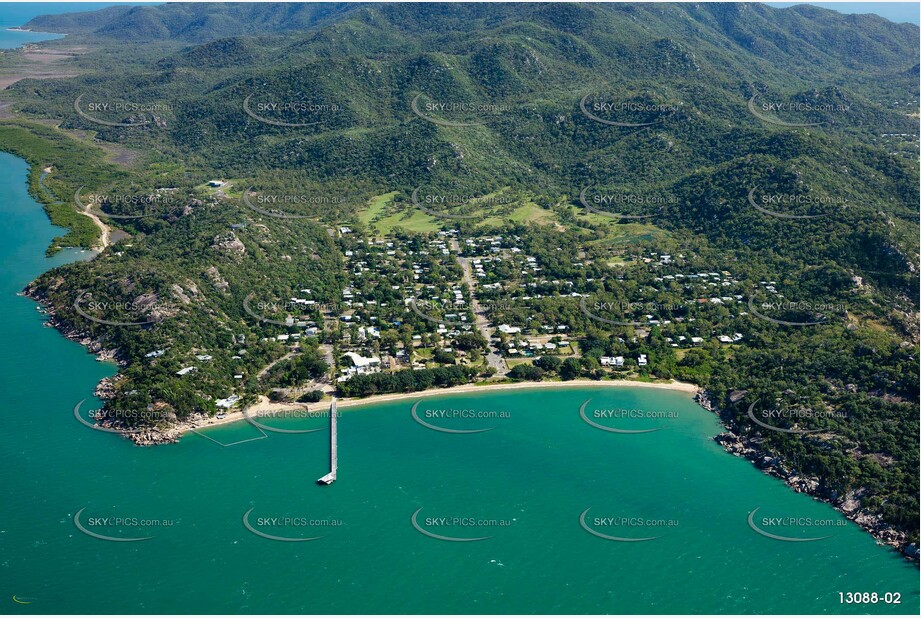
(225, 403)
(495, 257)
(393, 278)
(483, 245)
(517, 275)
(525, 347)
(388, 276)
(479, 270)
(618, 361)
(901, 144)
(515, 330)
(701, 288)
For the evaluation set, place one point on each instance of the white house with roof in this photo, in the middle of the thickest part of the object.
(228, 402)
(362, 362)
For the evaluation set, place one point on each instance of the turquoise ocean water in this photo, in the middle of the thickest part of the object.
(536, 473)
(524, 484)
(15, 14)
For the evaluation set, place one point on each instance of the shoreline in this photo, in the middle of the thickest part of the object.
(739, 443)
(265, 407)
(731, 441)
(734, 440)
(36, 62)
(31, 31)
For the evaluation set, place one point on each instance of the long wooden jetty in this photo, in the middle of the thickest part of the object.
(330, 478)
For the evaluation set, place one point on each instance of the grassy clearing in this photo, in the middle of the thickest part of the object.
(532, 213)
(378, 221)
(376, 207)
(416, 221)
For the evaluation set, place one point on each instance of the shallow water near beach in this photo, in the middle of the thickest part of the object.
(16, 14)
(523, 484)
(10, 39)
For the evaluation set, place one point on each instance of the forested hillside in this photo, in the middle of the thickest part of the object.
(780, 145)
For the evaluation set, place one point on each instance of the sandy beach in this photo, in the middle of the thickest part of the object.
(265, 407)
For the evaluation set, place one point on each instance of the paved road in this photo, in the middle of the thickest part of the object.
(266, 369)
(482, 322)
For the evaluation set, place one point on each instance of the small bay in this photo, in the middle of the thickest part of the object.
(525, 484)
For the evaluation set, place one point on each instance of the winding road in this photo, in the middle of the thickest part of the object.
(105, 232)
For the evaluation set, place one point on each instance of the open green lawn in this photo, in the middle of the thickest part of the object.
(416, 222)
(378, 221)
(624, 234)
(376, 207)
(532, 213)
(375, 216)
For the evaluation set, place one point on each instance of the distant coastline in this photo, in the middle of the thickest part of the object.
(31, 31)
